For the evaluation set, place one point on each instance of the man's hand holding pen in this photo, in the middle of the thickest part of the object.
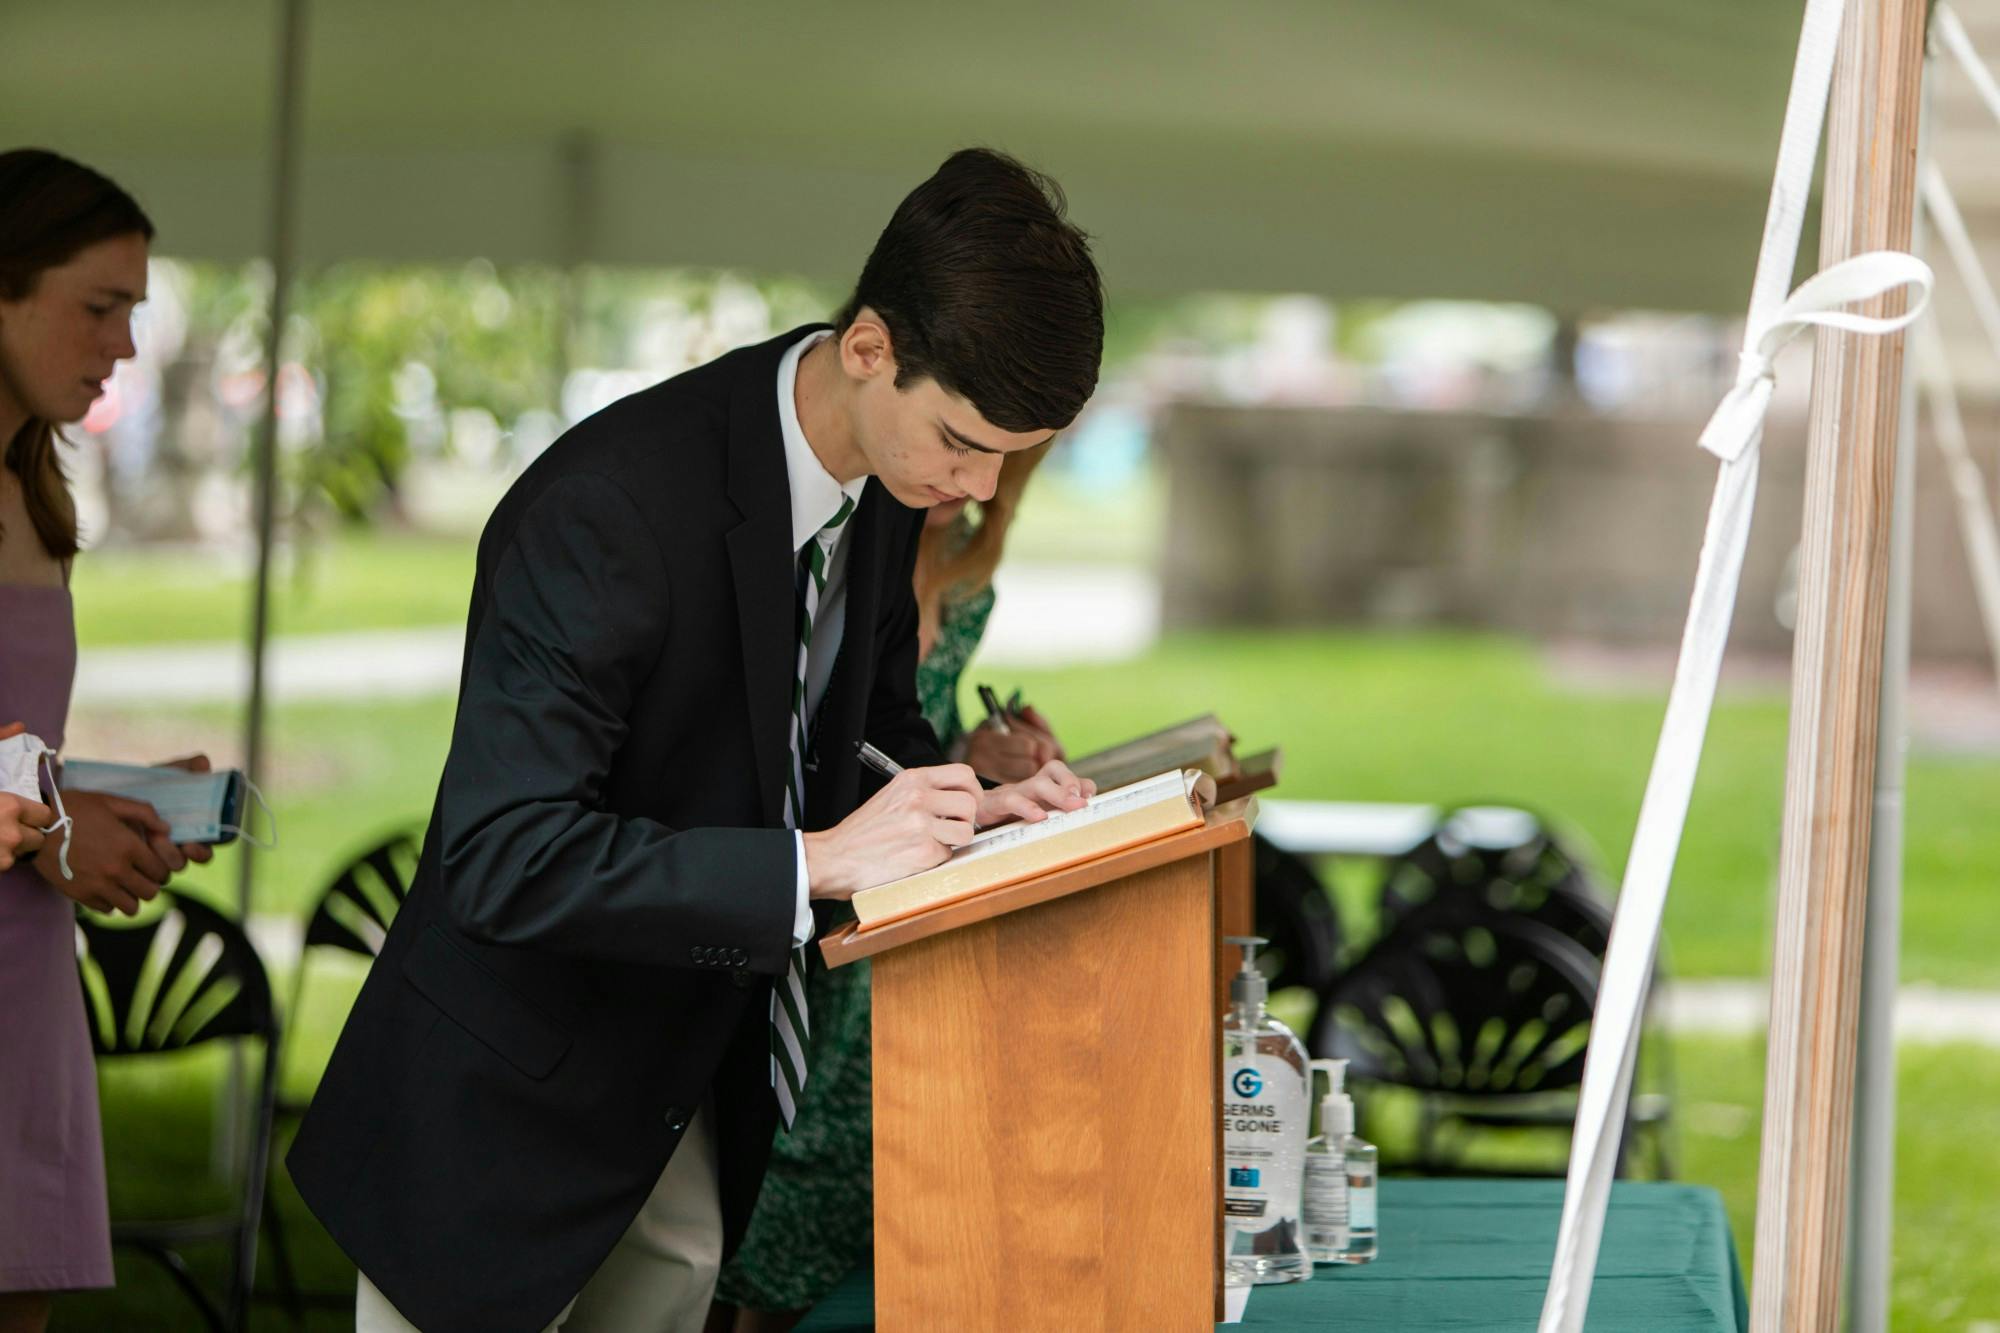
(917, 818)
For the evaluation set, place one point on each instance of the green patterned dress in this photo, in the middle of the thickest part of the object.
(813, 1224)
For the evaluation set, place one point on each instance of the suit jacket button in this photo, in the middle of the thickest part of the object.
(695, 953)
(738, 957)
(676, 1118)
(742, 978)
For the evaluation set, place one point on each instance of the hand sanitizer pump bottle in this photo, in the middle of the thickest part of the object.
(1264, 1101)
(1340, 1179)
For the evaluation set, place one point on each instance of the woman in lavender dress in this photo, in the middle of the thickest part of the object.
(72, 266)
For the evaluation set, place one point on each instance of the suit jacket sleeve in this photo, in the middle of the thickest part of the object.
(895, 719)
(575, 617)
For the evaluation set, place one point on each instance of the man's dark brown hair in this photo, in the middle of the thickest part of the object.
(989, 290)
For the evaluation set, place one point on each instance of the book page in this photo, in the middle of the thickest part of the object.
(1102, 806)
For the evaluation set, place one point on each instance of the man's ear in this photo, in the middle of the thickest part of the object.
(866, 349)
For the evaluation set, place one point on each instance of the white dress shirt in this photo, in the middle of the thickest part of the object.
(816, 498)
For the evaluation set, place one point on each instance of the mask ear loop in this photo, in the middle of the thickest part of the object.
(63, 821)
(270, 821)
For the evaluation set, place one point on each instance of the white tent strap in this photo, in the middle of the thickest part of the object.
(1739, 419)
(1942, 210)
(1733, 435)
(1975, 513)
(1944, 22)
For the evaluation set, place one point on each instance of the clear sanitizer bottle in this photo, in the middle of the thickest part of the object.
(1264, 1108)
(1340, 1179)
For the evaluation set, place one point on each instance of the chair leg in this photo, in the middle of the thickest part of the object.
(184, 1278)
(281, 1259)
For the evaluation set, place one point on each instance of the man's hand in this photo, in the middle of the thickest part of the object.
(21, 825)
(910, 825)
(1054, 787)
(111, 843)
(190, 851)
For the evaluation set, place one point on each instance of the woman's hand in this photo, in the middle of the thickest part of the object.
(1052, 787)
(190, 851)
(112, 844)
(1016, 754)
(21, 825)
(22, 821)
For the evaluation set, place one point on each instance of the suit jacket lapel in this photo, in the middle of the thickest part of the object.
(760, 558)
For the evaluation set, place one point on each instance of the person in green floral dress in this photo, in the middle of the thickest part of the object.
(813, 1223)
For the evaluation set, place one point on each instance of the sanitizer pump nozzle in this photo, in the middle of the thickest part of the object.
(1248, 989)
(1336, 1108)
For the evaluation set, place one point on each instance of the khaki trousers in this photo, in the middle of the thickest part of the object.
(658, 1278)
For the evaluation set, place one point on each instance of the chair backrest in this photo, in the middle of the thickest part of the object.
(357, 908)
(1498, 858)
(1495, 1003)
(1296, 917)
(185, 976)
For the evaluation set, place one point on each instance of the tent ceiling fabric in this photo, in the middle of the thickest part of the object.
(1615, 153)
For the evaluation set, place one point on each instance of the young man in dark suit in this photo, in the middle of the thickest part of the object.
(552, 1103)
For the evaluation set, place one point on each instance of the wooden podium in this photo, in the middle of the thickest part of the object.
(1047, 1092)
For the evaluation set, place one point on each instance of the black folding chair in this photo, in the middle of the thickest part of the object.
(1502, 858)
(352, 915)
(1488, 858)
(1486, 1018)
(186, 976)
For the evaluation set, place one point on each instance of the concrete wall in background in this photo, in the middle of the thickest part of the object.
(1569, 525)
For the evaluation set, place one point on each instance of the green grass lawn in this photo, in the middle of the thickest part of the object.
(1453, 718)
(358, 579)
(142, 595)
(1429, 717)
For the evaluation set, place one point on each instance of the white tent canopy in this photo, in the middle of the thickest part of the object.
(1582, 156)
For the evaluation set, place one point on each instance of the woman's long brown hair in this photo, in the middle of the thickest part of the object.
(50, 210)
(947, 568)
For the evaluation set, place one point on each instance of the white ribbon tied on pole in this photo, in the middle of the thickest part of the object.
(1732, 435)
(1738, 423)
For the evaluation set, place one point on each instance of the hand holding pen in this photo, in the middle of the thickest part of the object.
(1013, 742)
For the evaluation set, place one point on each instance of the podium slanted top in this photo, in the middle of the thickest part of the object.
(1225, 824)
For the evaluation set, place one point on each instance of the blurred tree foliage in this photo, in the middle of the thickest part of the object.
(395, 350)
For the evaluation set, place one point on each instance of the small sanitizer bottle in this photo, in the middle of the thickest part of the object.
(1340, 1179)
(1326, 1175)
(1264, 1108)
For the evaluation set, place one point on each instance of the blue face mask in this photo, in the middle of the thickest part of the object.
(198, 807)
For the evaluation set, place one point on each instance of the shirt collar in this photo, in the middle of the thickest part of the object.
(815, 494)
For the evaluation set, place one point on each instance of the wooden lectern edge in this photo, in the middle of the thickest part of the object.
(1224, 825)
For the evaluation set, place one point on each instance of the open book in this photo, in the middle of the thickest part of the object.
(1113, 821)
(1200, 742)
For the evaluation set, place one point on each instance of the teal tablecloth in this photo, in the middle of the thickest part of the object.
(1474, 1254)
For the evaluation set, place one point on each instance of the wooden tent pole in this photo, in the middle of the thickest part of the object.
(1869, 202)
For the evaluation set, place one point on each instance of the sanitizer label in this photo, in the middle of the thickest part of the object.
(1326, 1191)
(1263, 1132)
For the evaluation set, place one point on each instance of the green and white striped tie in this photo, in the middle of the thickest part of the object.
(789, 1030)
